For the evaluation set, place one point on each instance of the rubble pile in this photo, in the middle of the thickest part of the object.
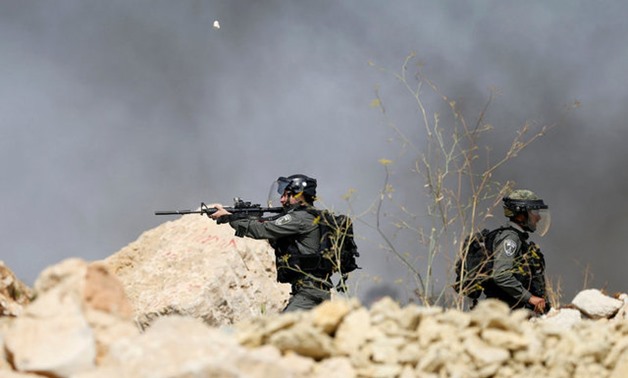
(101, 319)
(491, 341)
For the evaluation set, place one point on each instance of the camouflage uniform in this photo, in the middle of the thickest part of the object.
(294, 233)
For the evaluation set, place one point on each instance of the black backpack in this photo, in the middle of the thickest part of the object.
(474, 263)
(337, 252)
(338, 249)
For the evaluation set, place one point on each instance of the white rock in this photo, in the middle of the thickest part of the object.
(352, 332)
(563, 318)
(596, 305)
(304, 339)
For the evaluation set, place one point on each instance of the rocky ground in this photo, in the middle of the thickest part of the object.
(187, 299)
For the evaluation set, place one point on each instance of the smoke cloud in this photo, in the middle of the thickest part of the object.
(111, 110)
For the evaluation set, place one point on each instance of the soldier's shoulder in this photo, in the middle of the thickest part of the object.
(304, 214)
(507, 241)
(506, 234)
(507, 231)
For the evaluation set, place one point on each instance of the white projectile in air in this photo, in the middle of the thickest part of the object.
(216, 24)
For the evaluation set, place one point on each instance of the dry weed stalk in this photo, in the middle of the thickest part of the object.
(457, 172)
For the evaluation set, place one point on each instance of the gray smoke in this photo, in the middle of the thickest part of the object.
(111, 110)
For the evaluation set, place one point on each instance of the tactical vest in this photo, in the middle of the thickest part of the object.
(528, 269)
(292, 264)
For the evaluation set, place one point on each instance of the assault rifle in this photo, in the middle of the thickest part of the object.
(240, 209)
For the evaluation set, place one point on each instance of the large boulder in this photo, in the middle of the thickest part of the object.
(80, 309)
(192, 266)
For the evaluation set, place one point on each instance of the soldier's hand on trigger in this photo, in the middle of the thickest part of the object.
(538, 303)
(220, 211)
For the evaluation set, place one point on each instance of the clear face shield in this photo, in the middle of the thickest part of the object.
(277, 188)
(539, 221)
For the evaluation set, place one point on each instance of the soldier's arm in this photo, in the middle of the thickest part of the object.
(284, 226)
(505, 249)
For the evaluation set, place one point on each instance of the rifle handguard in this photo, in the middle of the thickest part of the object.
(237, 216)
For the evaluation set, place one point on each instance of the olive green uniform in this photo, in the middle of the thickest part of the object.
(518, 268)
(294, 233)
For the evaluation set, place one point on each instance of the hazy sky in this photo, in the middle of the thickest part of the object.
(112, 110)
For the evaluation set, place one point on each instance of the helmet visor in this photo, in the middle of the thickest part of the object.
(540, 220)
(282, 184)
(277, 188)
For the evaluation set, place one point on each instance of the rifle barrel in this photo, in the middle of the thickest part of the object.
(212, 210)
(179, 212)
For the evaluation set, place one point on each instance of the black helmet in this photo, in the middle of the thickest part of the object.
(524, 201)
(296, 184)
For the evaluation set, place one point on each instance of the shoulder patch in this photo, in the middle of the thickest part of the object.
(283, 220)
(510, 246)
